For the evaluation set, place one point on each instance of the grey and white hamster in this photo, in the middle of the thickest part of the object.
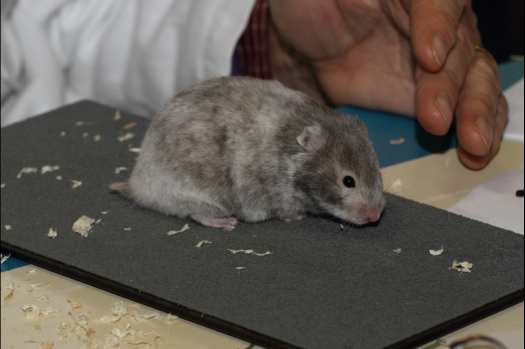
(238, 148)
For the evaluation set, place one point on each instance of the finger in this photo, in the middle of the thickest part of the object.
(433, 29)
(478, 111)
(437, 94)
(478, 162)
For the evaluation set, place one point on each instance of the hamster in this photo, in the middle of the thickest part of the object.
(241, 149)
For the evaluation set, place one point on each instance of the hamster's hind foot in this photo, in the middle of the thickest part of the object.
(224, 223)
(299, 217)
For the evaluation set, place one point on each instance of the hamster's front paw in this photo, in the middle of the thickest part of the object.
(223, 223)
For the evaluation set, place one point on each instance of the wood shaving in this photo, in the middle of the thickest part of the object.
(117, 116)
(80, 123)
(123, 333)
(397, 250)
(74, 303)
(397, 141)
(97, 138)
(32, 311)
(32, 287)
(26, 170)
(127, 229)
(153, 345)
(240, 268)
(184, 228)
(120, 169)
(250, 252)
(436, 252)
(240, 251)
(11, 287)
(342, 226)
(45, 345)
(232, 228)
(110, 319)
(463, 267)
(262, 254)
(48, 311)
(41, 298)
(49, 168)
(63, 133)
(126, 137)
(134, 150)
(4, 258)
(83, 225)
(76, 184)
(9, 295)
(2, 185)
(130, 125)
(203, 242)
(170, 319)
(85, 135)
(119, 309)
(104, 212)
(141, 318)
(59, 178)
(396, 184)
(52, 233)
(98, 221)
(8, 227)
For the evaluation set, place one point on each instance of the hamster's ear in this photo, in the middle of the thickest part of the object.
(311, 138)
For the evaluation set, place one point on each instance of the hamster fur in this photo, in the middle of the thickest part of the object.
(238, 148)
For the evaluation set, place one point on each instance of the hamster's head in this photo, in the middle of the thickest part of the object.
(340, 170)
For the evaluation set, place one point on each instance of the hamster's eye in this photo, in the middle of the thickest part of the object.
(349, 182)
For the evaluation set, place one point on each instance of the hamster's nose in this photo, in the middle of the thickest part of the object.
(373, 217)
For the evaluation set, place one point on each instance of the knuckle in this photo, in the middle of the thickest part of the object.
(455, 76)
(486, 66)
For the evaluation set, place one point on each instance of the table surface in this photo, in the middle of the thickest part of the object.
(429, 174)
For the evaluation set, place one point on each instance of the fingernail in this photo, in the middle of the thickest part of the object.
(445, 106)
(439, 48)
(485, 131)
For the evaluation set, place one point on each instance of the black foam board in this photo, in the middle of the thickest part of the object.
(322, 286)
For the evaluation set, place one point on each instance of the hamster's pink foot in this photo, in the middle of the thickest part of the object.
(223, 223)
(299, 217)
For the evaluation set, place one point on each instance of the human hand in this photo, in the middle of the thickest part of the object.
(413, 57)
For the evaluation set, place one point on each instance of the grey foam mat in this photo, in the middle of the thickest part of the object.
(322, 287)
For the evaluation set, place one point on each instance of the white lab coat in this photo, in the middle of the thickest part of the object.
(131, 54)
